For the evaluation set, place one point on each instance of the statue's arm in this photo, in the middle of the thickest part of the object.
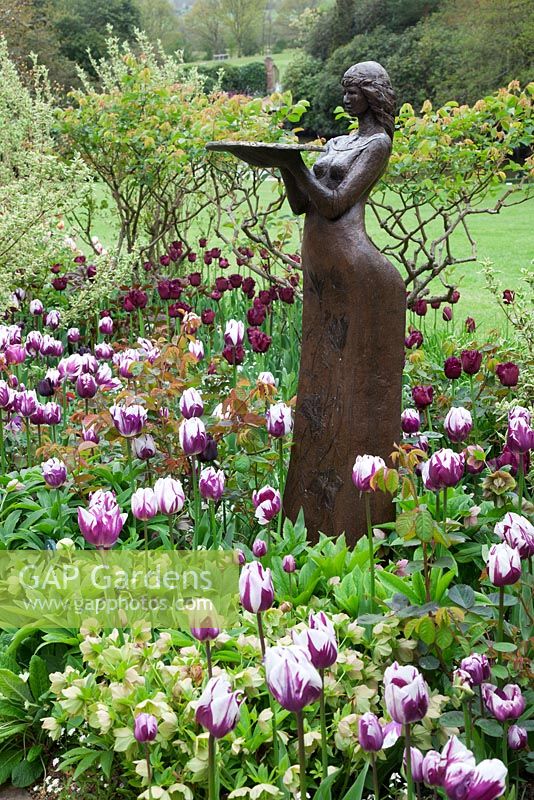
(298, 200)
(365, 171)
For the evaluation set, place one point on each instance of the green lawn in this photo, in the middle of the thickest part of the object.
(505, 238)
(280, 59)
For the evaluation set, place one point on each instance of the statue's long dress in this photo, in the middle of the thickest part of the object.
(349, 390)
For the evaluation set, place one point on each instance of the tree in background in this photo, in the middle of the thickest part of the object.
(161, 23)
(205, 31)
(243, 18)
(82, 27)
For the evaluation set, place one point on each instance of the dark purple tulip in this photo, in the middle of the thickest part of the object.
(256, 315)
(236, 280)
(422, 396)
(248, 287)
(370, 733)
(471, 361)
(222, 284)
(234, 355)
(60, 283)
(470, 325)
(145, 728)
(420, 307)
(45, 388)
(195, 279)
(447, 314)
(452, 368)
(210, 451)
(508, 297)
(259, 341)
(455, 296)
(207, 316)
(286, 294)
(91, 271)
(435, 304)
(202, 242)
(507, 373)
(192, 257)
(414, 339)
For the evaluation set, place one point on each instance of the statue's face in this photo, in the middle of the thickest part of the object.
(354, 101)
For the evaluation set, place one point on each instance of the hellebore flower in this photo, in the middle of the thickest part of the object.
(256, 588)
(363, 470)
(506, 703)
(128, 420)
(144, 504)
(478, 668)
(458, 424)
(517, 737)
(504, 565)
(54, 472)
(422, 396)
(144, 447)
(170, 496)
(475, 459)
(291, 677)
(211, 484)
(217, 710)
(192, 435)
(520, 436)
(191, 404)
(289, 564)
(507, 373)
(267, 503)
(471, 361)
(319, 641)
(279, 420)
(234, 333)
(410, 420)
(406, 694)
(370, 733)
(102, 522)
(145, 728)
(445, 468)
(517, 532)
(452, 368)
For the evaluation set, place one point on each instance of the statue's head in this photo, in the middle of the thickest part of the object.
(376, 92)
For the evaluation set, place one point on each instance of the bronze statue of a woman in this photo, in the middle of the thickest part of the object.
(349, 390)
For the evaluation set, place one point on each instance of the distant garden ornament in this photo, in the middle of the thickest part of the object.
(350, 380)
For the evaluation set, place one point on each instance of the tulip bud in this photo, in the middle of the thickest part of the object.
(205, 634)
(416, 763)
(406, 694)
(144, 447)
(458, 424)
(90, 434)
(191, 404)
(256, 588)
(410, 420)
(36, 308)
(520, 436)
(445, 468)
(478, 668)
(267, 503)
(471, 361)
(234, 333)
(291, 677)
(259, 548)
(144, 504)
(279, 420)
(289, 564)
(217, 710)
(363, 470)
(128, 420)
(517, 737)
(452, 368)
(422, 396)
(517, 532)
(196, 349)
(319, 641)
(507, 373)
(54, 472)
(102, 522)
(86, 386)
(211, 484)
(145, 728)
(170, 496)
(370, 733)
(504, 565)
(192, 435)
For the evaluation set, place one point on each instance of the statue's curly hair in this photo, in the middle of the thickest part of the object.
(375, 84)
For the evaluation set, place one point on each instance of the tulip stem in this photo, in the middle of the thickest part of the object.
(426, 572)
(473, 408)
(59, 513)
(171, 531)
(324, 750)
(428, 420)
(196, 504)
(130, 465)
(520, 483)
(280, 484)
(445, 513)
(505, 743)
(2, 453)
(261, 634)
(409, 780)
(208, 658)
(211, 768)
(213, 524)
(148, 770)
(467, 725)
(500, 624)
(376, 785)
(302, 754)
(28, 442)
(371, 547)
